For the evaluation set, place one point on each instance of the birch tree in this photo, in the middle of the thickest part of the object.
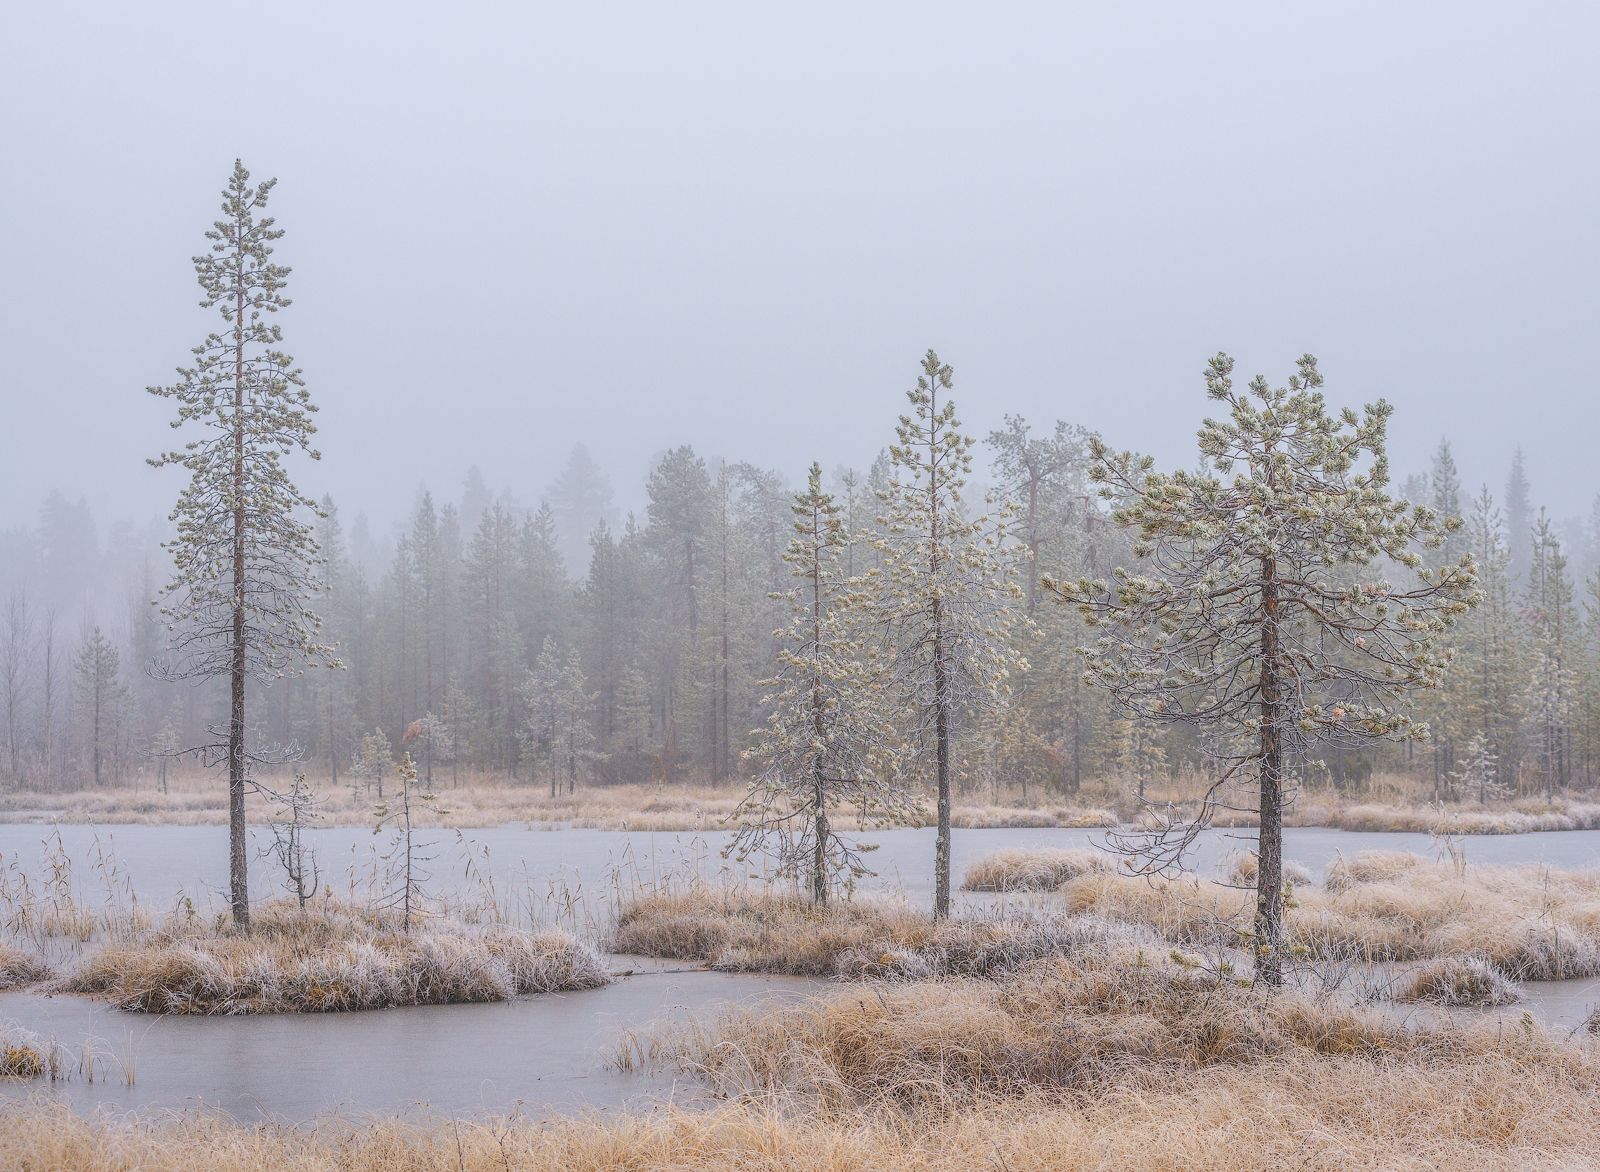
(1268, 617)
(828, 741)
(946, 598)
(238, 604)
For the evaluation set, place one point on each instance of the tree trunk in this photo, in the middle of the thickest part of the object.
(819, 864)
(238, 861)
(1269, 843)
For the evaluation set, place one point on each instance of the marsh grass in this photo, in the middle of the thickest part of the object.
(328, 958)
(737, 930)
(1531, 923)
(1037, 869)
(1457, 982)
(1499, 1113)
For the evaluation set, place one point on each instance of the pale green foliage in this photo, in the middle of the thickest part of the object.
(829, 741)
(1184, 642)
(1270, 619)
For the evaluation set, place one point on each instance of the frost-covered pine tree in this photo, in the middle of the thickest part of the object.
(1270, 618)
(238, 604)
(829, 742)
(946, 596)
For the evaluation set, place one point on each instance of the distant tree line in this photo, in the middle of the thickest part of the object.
(645, 660)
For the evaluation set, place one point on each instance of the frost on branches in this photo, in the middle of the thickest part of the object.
(829, 742)
(946, 597)
(1286, 605)
(238, 604)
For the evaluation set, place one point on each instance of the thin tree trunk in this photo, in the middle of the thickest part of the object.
(819, 866)
(1269, 845)
(238, 861)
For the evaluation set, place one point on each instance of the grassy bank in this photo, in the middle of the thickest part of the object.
(327, 958)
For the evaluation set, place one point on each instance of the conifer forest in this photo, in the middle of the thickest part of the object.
(715, 588)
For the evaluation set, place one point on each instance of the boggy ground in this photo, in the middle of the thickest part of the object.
(1095, 1058)
(1529, 922)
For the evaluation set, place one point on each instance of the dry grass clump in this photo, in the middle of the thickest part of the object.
(328, 959)
(738, 931)
(1531, 923)
(23, 1054)
(1458, 982)
(1242, 871)
(995, 817)
(1038, 869)
(19, 968)
(1081, 1027)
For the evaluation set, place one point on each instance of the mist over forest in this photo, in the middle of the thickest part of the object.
(730, 587)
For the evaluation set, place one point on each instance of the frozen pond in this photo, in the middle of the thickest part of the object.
(582, 872)
(540, 1056)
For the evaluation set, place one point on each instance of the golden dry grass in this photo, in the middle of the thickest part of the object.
(19, 968)
(1457, 982)
(327, 958)
(1496, 1113)
(1390, 802)
(1532, 923)
(1088, 1062)
(741, 931)
(477, 800)
(1036, 869)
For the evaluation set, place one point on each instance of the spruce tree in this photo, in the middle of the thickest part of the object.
(239, 600)
(828, 741)
(946, 598)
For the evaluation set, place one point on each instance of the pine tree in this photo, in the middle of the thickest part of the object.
(238, 603)
(828, 741)
(945, 596)
(1257, 625)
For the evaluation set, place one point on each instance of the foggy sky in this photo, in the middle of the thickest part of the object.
(515, 226)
